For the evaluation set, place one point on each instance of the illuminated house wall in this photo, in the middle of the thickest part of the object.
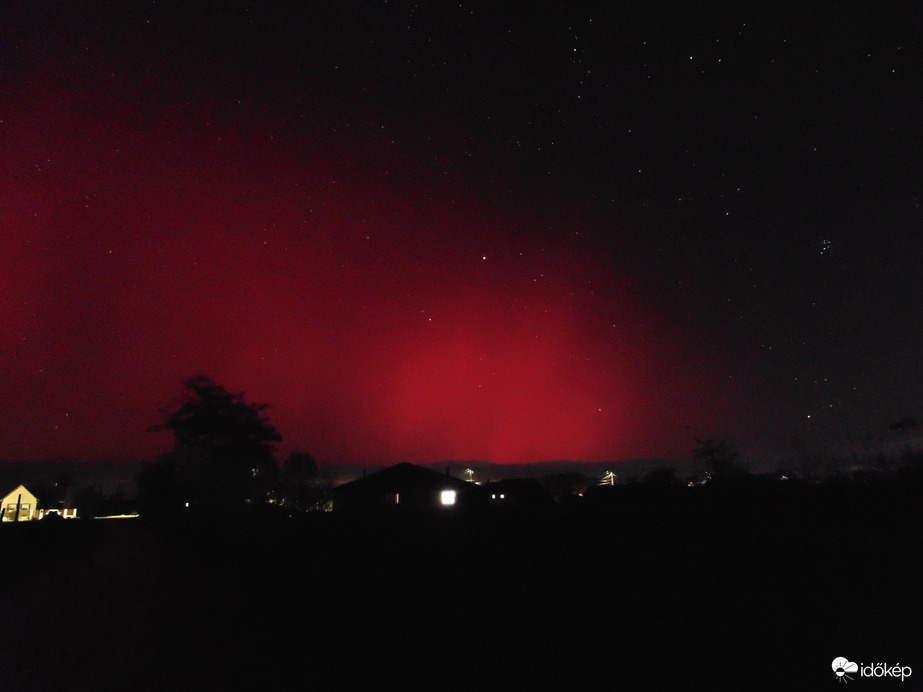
(26, 501)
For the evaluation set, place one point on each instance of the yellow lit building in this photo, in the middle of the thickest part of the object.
(21, 501)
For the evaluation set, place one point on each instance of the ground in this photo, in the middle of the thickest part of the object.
(650, 592)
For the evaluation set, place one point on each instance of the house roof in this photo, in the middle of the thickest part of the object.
(410, 481)
(400, 475)
(20, 489)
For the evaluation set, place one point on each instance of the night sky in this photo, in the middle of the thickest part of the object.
(427, 232)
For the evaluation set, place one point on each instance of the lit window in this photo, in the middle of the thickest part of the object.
(447, 497)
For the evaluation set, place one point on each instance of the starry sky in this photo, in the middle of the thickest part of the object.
(457, 231)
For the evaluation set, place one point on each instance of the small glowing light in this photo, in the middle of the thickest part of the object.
(447, 497)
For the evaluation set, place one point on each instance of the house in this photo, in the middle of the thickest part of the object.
(408, 487)
(23, 505)
(19, 505)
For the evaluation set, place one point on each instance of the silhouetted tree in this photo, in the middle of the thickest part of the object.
(298, 479)
(717, 456)
(224, 453)
(299, 468)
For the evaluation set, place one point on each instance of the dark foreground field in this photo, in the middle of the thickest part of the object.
(659, 591)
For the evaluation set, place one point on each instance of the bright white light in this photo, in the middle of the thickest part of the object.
(447, 497)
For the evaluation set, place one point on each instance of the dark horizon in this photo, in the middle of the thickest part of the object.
(667, 587)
